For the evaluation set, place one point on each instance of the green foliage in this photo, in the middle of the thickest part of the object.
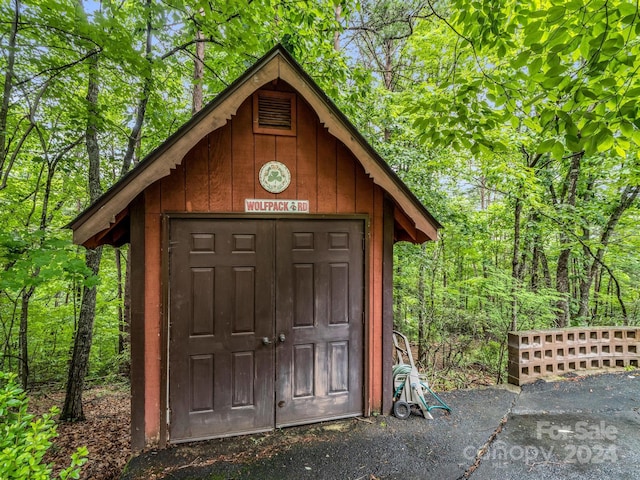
(570, 81)
(53, 258)
(44, 161)
(526, 88)
(25, 438)
(482, 108)
(491, 355)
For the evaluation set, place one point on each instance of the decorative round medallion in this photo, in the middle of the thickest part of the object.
(275, 177)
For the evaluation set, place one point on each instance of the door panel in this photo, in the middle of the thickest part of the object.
(319, 306)
(221, 306)
(296, 283)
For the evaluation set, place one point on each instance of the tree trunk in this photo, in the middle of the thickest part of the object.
(23, 338)
(8, 334)
(570, 188)
(596, 294)
(120, 295)
(515, 264)
(585, 276)
(336, 35)
(387, 76)
(398, 296)
(27, 293)
(562, 286)
(432, 294)
(8, 87)
(535, 264)
(422, 271)
(125, 333)
(72, 409)
(627, 197)
(608, 311)
(584, 292)
(444, 264)
(546, 272)
(134, 137)
(198, 74)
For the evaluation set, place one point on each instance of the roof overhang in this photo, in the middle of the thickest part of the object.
(90, 226)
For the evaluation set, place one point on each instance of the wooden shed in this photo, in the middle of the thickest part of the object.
(261, 238)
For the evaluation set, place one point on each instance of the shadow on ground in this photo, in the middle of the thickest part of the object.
(576, 427)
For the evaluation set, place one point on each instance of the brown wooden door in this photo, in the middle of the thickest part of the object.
(319, 313)
(266, 324)
(221, 307)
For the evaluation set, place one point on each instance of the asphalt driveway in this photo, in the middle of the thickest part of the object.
(585, 427)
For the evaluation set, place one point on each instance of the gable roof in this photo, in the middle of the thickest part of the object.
(275, 64)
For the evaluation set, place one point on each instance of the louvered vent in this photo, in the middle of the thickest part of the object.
(274, 113)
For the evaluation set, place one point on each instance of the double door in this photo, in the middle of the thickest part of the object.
(265, 324)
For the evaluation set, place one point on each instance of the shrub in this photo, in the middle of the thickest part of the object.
(25, 438)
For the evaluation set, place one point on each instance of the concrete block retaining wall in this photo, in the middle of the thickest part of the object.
(536, 353)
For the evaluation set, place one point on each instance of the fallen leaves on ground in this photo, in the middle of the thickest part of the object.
(105, 432)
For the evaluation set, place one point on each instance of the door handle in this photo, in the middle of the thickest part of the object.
(282, 338)
(266, 341)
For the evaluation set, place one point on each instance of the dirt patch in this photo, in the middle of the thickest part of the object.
(105, 433)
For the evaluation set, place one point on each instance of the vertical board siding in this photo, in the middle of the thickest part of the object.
(346, 180)
(286, 153)
(196, 166)
(219, 174)
(364, 192)
(364, 204)
(152, 310)
(265, 152)
(173, 191)
(327, 175)
(375, 270)
(387, 304)
(137, 331)
(306, 153)
(220, 171)
(243, 164)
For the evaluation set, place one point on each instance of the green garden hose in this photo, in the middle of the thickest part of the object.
(405, 369)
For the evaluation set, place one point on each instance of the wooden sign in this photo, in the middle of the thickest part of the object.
(256, 205)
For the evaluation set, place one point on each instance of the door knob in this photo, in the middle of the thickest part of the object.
(281, 337)
(266, 341)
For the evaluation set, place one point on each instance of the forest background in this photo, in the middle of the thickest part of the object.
(515, 122)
